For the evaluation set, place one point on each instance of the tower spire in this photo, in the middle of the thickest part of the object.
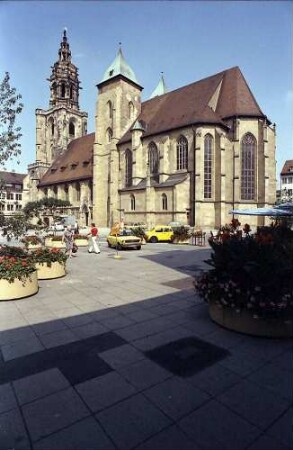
(161, 87)
(64, 50)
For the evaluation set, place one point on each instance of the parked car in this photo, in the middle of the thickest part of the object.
(160, 233)
(124, 239)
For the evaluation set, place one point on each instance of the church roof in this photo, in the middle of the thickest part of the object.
(119, 67)
(287, 167)
(73, 165)
(172, 180)
(160, 89)
(208, 101)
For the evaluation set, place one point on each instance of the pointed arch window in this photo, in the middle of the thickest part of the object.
(66, 192)
(55, 191)
(154, 161)
(110, 109)
(164, 202)
(71, 129)
(130, 110)
(132, 203)
(71, 91)
(182, 153)
(208, 165)
(63, 90)
(109, 135)
(77, 190)
(248, 153)
(128, 167)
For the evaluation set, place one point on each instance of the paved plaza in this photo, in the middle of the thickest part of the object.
(121, 354)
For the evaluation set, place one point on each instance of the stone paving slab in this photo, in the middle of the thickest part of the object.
(75, 373)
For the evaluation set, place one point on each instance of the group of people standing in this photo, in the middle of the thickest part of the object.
(93, 242)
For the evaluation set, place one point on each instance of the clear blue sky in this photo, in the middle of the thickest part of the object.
(186, 40)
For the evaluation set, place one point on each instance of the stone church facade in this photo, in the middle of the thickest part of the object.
(188, 156)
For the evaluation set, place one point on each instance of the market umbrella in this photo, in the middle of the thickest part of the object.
(273, 212)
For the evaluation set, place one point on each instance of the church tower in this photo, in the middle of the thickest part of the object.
(118, 105)
(63, 121)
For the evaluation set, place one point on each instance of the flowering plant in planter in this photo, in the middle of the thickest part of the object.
(180, 234)
(31, 240)
(9, 250)
(251, 272)
(48, 256)
(12, 268)
(80, 236)
(56, 238)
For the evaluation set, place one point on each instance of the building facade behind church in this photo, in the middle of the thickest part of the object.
(188, 156)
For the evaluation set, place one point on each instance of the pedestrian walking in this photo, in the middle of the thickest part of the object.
(68, 239)
(93, 240)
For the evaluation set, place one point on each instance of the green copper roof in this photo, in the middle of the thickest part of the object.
(160, 89)
(138, 126)
(119, 67)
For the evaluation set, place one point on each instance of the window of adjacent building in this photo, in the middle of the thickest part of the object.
(128, 167)
(9, 207)
(164, 202)
(109, 135)
(77, 188)
(154, 161)
(248, 150)
(18, 196)
(71, 129)
(55, 190)
(130, 110)
(46, 192)
(17, 207)
(208, 165)
(2, 206)
(2, 195)
(10, 196)
(182, 153)
(132, 203)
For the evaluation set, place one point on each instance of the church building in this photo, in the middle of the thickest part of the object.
(189, 155)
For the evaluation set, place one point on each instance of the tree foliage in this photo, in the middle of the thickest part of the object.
(10, 107)
(33, 209)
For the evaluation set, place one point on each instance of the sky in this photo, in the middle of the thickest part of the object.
(186, 40)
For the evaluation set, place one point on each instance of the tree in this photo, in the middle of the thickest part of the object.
(10, 107)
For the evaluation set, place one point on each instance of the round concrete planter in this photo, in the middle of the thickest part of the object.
(244, 322)
(19, 288)
(81, 242)
(176, 241)
(56, 270)
(54, 244)
(34, 246)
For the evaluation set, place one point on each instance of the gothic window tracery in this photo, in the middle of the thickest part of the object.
(110, 109)
(182, 153)
(63, 90)
(128, 167)
(248, 153)
(208, 165)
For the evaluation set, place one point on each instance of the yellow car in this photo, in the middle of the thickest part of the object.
(124, 239)
(159, 233)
